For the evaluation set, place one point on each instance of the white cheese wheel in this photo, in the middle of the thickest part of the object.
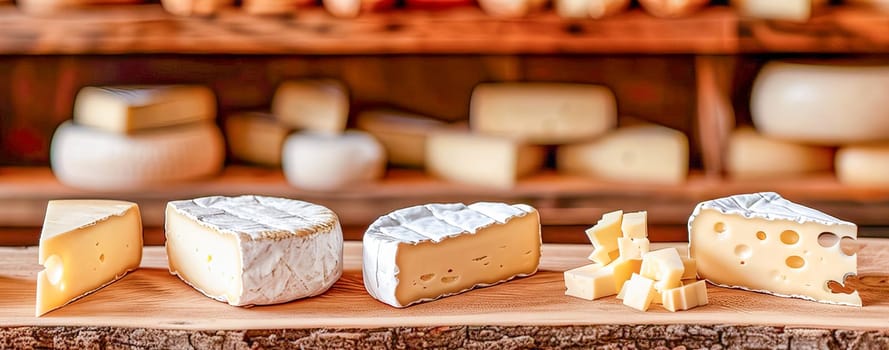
(94, 159)
(328, 162)
(791, 10)
(543, 113)
(751, 155)
(822, 104)
(254, 250)
(864, 165)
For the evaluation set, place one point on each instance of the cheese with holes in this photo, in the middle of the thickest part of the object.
(256, 138)
(254, 250)
(403, 135)
(511, 8)
(752, 155)
(642, 154)
(426, 252)
(326, 162)
(765, 243)
(665, 267)
(320, 106)
(811, 103)
(543, 113)
(481, 160)
(127, 109)
(638, 292)
(604, 237)
(96, 159)
(84, 246)
(790, 10)
(864, 165)
(685, 297)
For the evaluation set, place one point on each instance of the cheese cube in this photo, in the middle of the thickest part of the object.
(632, 248)
(690, 268)
(253, 250)
(84, 246)
(665, 267)
(685, 297)
(639, 292)
(604, 237)
(765, 243)
(752, 155)
(594, 281)
(481, 160)
(403, 135)
(320, 106)
(256, 137)
(642, 154)
(864, 165)
(543, 113)
(789, 10)
(431, 251)
(324, 162)
(635, 225)
(126, 109)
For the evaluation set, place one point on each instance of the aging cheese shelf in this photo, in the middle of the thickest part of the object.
(150, 306)
(561, 199)
(715, 30)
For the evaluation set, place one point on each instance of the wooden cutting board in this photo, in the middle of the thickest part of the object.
(152, 298)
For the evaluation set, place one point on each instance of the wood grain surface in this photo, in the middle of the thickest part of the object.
(152, 298)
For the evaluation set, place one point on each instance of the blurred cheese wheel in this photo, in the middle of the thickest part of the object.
(436, 4)
(673, 8)
(822, 104)
(790, 10)
(352, 8)
(864, 165)
(511, 8)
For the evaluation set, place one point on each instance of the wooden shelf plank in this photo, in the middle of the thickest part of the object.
(152, 298)
(561, 199)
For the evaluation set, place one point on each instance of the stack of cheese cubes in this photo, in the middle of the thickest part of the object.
(131, 137)
(306, 134)
(624, 266)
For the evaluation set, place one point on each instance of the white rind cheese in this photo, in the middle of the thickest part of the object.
(89, 158)
(765, 243)
(253, 250)
(449, 249)
(324, 162)
(126, 109)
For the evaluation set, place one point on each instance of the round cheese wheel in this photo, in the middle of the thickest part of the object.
(90, 158)
(324, 162)
(864, 165)
(821, 104)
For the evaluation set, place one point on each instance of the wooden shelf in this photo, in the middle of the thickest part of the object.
(715, 30)
(150, 306)
(562, 200)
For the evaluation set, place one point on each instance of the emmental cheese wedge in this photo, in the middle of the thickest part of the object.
(426, 252)
(84, 246)
(403, 135)
(126, 109)
(543, 113)
(752, 155)
(480, 159)
(254, 250)
(642, 154)
(320, 106)
(765, 243)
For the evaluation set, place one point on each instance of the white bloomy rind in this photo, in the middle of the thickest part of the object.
(423, 223)
(289, 249)
(772, 207)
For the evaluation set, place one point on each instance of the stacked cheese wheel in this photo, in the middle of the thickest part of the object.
(136, 137)
(805, 123)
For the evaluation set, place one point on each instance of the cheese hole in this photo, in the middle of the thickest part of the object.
(848, 246)
(449, 279)
(795, 262)
(839, 288)
(450, 270)
(789, 237)
(761, 235)
(480, 258)
(828, 239)
(743, 251)
(53, 269)
(102, 258)
(719, 227)
(427, 277)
